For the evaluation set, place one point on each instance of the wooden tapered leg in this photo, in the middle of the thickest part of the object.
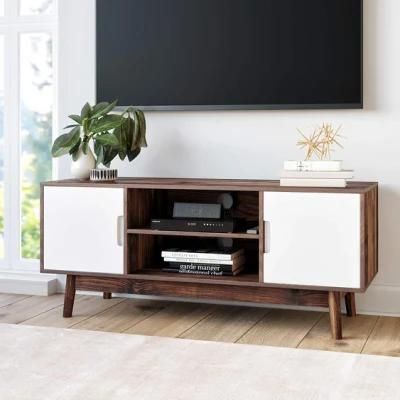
(107, 295)
(350, 300)
(335, 315)
(69, 296)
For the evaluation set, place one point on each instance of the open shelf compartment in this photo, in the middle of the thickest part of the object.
(145, 204)
(144, 245)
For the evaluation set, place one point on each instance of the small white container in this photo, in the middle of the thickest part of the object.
(103, 175)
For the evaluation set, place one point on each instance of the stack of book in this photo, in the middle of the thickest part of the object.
(315, 174)
(212, 262)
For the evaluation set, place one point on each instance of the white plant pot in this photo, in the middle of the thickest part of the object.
(80, 169)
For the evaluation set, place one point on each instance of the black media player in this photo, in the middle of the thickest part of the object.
(194, 225)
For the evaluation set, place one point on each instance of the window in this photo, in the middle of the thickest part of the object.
(1, 147)
(27, 103)
(35, 7)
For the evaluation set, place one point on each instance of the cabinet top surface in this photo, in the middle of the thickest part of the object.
(210, 184)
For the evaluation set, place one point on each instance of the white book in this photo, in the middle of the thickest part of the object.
(329, 165)
(304, 182)
(204, 260)
(318, 174)
(202, 254)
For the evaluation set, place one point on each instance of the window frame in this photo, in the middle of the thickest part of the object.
(12, 25)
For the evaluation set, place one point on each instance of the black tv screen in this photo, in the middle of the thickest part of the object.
(230, 54)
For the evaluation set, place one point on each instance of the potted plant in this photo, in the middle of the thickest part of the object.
(111, 135)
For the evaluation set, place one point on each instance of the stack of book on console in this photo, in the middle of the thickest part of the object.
(315, 174)
(212, 262)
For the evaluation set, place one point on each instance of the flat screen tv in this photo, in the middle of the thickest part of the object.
(230, 54)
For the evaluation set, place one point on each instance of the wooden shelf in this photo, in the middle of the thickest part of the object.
(136, 266)
(234, 235)
(242, 279)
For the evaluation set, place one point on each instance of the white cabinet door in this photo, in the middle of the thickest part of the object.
(312, 239)
(83, 230)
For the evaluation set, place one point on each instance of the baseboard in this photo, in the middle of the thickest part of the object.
(379, 300)
(34, 284)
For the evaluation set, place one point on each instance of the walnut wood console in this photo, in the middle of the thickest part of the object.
(314, 246)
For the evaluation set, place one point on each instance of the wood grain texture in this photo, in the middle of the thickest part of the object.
(69, 296)
(212, 184)
(226, 324)
(85, 307)
(285, 328)
(385, 338)
(7, 299)
(350, 301)
(373, 335)
(146, 197)
(372, 233)
(355, 334)
(173, 320)
(139, 209)
(335, 315)
(205, 291)
(235, 235)
(121, 317)
(22, 310)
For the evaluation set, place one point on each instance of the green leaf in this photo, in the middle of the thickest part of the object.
(141, 140)
(108, 139)
(109, 155)
(103, 108)
(99, 151)
(122, 154)
(85, 147)
(129, 126)
(118, 133)
(107, 123)
(70, 126)
(132, 154)
(86, 111)
(64, 143)
(76, 118)
(124, 137)
(99, 106)
(74, 151)
(97, 147)
(135, 133)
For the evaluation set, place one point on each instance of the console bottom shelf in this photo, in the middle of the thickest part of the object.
(156, 273)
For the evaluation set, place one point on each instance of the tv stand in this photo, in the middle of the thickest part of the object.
(314, 247)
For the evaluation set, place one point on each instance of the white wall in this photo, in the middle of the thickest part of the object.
(253, 144)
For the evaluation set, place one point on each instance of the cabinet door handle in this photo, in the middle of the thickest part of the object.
(267, 236)
(120, 230)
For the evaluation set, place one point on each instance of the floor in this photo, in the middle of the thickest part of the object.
(233, 324)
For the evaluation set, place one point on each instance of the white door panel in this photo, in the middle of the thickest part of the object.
(313, 239)
(82, 229)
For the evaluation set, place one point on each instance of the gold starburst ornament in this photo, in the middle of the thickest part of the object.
(320, 143)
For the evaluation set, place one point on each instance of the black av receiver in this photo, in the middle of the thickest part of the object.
(194, 225)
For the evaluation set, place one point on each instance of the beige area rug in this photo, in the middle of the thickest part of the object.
(52, 364)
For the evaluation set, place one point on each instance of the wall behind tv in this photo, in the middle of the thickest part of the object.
(253, 144)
